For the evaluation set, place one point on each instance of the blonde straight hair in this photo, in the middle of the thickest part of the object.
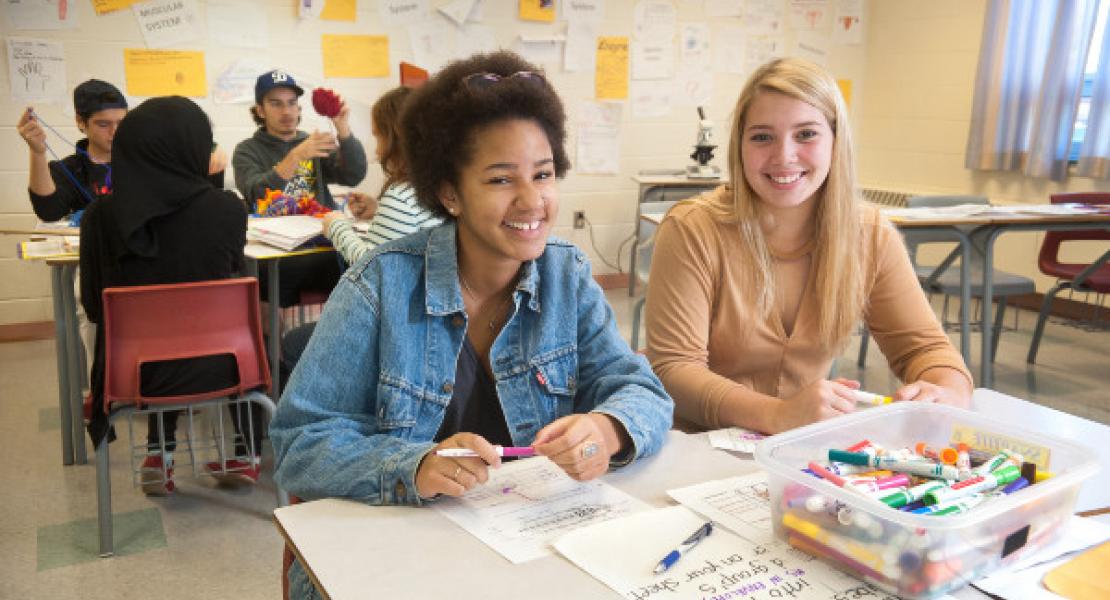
(838, 274)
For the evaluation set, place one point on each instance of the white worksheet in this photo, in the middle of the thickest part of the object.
(735, 438)
(741, 504)
(526, 504)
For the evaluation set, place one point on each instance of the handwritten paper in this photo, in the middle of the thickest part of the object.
(599, 150)
(728, 52)
(583, 11)
(541, 49)
(759, 49)
(167, 23)
(763, 17)
(693, 87)
(848, 24)
(649, 99)
(527, 504)
(164, 73)
(537, 10)
(339, 10)
(355, 55)
(621, 553)
(458, 10)
(611, 73)
(652, 60)
(724, 8)
(402, 12)
(809, 14)
(812, 46)
(578, 52)
(654, 20)
(433, 42)
(735, 438)
(40, 15)
(236, 84)
(36, 70)
(225, 19)
(103, 7)
(694, 45)
(742, 504)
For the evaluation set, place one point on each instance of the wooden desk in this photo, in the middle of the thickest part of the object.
(657, 194)
(403, 552)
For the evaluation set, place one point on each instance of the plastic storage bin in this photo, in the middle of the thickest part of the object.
(912, 555)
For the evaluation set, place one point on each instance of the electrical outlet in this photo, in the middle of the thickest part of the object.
(579, 219)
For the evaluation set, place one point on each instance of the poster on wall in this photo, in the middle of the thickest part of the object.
(36, 70)
(167, 23)
(611, 72)
(402, 12)
(848, 24)
(810, 14)
(728, 51)
(236, 84)
(103, 7)
(763, 16)
(459, 11)
(578, 53)
(339, 10)
(649, 99)
(40, 15)
(537, 10)
(724, 8)
(433, 43)
(599, 129)
(355, 55)
(583, 11)
(164, 73)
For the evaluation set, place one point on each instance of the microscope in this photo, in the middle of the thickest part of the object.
(703, 151)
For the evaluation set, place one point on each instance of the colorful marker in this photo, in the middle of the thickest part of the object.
(921, 468)
(863, 397)
(520, 451)
(966, 503)
(946, 455)
(901, 498)
(982, 483)
(963, 457)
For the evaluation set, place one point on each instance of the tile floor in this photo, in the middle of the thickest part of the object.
(207, 541)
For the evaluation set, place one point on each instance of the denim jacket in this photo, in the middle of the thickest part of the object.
(371, 388)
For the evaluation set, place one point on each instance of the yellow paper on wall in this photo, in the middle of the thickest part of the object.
(538, 10)
(845, 86)
(106, 6)
(339, 10)
(611, 75)
(355, 55)
(165, 72)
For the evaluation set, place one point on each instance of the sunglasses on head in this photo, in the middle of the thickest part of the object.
(481, 81)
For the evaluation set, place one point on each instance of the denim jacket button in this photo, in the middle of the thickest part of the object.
(448, 387)
(457, 321)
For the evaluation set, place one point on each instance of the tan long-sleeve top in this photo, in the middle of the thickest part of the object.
(703, 341)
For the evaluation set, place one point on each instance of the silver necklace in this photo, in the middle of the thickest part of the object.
(492, 323)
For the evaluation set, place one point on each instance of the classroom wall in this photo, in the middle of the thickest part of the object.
(95, 49)
(920, 69)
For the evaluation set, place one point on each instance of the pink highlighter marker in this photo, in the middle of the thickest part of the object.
(519, 451)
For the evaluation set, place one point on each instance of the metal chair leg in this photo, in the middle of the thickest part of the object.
(1046, 306)
(637, 312)
(104, 499)
(998, 326)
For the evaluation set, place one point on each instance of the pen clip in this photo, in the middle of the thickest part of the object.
(701, 533)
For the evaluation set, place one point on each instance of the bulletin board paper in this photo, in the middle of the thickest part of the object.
(611, 76)
(355, 55)
(339, 10)
(164, 73)
(537, 10)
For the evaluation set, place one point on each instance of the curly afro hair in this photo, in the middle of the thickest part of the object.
(441, 117)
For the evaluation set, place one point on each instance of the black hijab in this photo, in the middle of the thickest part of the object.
(160, 158)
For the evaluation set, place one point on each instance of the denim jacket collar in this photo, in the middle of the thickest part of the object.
(444, 295)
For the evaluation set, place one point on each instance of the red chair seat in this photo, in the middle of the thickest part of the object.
(1099, 281)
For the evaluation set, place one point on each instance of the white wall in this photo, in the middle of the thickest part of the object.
(95, 49)
(920, 66)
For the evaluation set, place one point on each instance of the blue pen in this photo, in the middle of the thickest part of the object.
(670, 559)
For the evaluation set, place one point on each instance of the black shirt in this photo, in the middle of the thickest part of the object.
(474, 406)
(67, 198)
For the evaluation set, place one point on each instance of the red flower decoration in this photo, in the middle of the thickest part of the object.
(326, 102)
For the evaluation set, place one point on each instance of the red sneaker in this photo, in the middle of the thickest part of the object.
(153, 479)
(234, 472)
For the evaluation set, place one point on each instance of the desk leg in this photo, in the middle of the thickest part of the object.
(73, 350)
(62, 355)
(275, 326)
(986, 379)
(965, 297)
(635, 245)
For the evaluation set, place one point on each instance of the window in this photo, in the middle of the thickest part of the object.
(1079, 132)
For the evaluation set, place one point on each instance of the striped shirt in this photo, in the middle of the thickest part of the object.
(398, 215)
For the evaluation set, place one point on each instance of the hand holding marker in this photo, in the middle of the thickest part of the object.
(519, 451)
(868, 398)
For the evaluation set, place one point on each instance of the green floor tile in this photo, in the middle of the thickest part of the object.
(50, 418)
(78, 541)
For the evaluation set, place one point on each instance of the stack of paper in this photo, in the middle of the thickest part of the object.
(286, 232)
(53, 247)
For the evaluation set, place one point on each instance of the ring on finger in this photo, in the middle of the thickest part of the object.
(589, 450)
(458, 469)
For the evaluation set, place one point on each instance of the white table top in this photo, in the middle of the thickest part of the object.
(416, 552)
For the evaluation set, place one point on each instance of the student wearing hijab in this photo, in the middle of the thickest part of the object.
(164, 223)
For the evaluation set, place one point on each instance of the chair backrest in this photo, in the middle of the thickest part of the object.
(915, 238)
(1049, 256)
(144, 324)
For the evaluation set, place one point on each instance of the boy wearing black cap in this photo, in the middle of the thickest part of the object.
(283, 158)
(61, 187)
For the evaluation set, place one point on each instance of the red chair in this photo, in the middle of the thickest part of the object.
(1094, 277)
(145, 324)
